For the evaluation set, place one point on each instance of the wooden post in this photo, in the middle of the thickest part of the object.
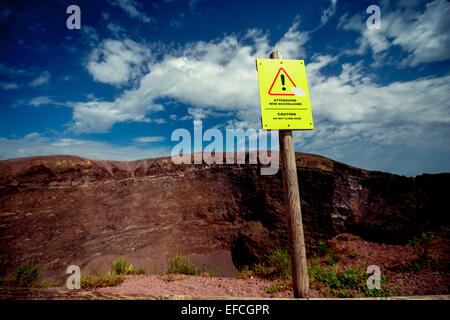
(292, 201)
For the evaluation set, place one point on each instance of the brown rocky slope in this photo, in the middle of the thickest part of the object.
(63, 210)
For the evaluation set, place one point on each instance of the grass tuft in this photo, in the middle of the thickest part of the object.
(278, 266)
(181, 265)
(122, 267)
(345, 282)
(323, 247)
(101, 280)
(422, 246)
(278, 287)
(25, 275)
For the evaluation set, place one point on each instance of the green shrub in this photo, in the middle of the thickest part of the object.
(335, 256)
(101, 280)
(140, 271)
(122, 267)
(352, 255)
(181, 265)
(314, 260)
(212, 274)
(331, 262)
(422, 248)
(345, 293)
(323, 247)
(278, 287)
(280, 262)
(278, 266)
(346, 282)
(25, 275)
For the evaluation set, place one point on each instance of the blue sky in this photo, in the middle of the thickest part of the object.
(136, 71)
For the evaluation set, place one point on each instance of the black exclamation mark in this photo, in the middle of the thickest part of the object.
(282, 81)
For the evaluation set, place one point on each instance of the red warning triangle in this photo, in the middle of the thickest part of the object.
(281, 84)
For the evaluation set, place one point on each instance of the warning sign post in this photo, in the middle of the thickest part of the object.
(284, 94)
(285, 106)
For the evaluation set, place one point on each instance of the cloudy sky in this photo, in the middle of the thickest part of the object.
(136, 71)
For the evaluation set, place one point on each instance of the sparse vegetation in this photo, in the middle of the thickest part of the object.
(140, 271)
(279, 287)
(323, 247)
(181, 265)
(422, 248)
(245, 272)
(345, 282)
(212, 274)
(334, 258)
(171, 277)
(278, 266)
(25, 275)
(122, 267)
(352, 255)
(48, 284)
(331, 262)
(205, 273)
(101, 280)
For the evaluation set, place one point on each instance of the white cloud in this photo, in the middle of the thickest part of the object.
(106, 16)
(115, 29)
(149, 139)
(9, 85)
(424, 36)
(42, 79)
(132, 8)
(355, 117)
(99, 116)
(291, 44)
(209, 77)
(90, 36)
(40, 100)
(34, 144)
(158, 120)
(116, 62)
(10, 70)
(352, 96)
(327, 13)
(366, 124)
(427, 38)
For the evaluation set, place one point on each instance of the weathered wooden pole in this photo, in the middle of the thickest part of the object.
(292, 201)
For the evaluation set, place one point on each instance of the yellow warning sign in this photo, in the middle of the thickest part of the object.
(284, 95)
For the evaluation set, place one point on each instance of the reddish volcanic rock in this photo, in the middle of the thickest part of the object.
(63, 210)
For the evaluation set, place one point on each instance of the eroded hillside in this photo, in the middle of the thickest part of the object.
(62, 210)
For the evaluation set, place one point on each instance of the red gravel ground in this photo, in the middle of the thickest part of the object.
(194, 286)
(393, 260)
